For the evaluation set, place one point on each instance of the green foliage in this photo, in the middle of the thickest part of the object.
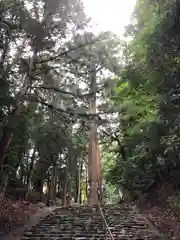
(147, 97)
(143, 141)
(111, 196)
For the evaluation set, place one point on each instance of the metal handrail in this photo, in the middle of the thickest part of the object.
(107, 227)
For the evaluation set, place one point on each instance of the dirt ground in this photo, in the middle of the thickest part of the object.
(165, 215)
(14, 214)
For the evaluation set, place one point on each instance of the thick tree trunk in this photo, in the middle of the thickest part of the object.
(39, 185)
(93, 167)
(39, 188)
(99, 180)
(38, 175)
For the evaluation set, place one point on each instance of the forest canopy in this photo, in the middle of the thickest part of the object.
(61, 84)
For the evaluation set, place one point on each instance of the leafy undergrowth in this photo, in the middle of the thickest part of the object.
(162, 208)
(14, 214)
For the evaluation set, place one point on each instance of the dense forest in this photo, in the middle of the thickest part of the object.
(62, 85)
(148, 99)
(52, 77)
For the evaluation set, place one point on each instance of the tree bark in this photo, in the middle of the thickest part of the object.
(78, 183)
(3, 186)
(53, 184)
(80, 187)
(29, 172)
(39, 185)
(22, 172)
(99, 180)
(65, 187)
(31, 166)
(4, 144)
(48, 189)
(86, 181)
(93, 167)
(39, 175)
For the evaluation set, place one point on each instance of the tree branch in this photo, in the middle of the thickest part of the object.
(66, 52)
(56, 89)
(67, 110)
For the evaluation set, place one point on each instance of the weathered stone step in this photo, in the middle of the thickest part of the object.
(85, 223)
(73, 238)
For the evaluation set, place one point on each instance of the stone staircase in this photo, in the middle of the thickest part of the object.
(85, 222)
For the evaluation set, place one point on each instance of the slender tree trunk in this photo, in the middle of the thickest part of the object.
(21, 172)
(59, 182)
(65, 192)
(27, 165)
(53, 184)
(80, 196)
(31, 166)
(65, 187)
(86, 175)
(29, 172)
(3, 185)
(78, 183)
(4, 144)
(80, 186)
(60, 186)
(69, 198)
(48, 189)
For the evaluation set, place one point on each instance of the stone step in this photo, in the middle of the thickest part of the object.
(82, 223)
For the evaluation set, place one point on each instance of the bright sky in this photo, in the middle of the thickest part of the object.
(111, 15)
